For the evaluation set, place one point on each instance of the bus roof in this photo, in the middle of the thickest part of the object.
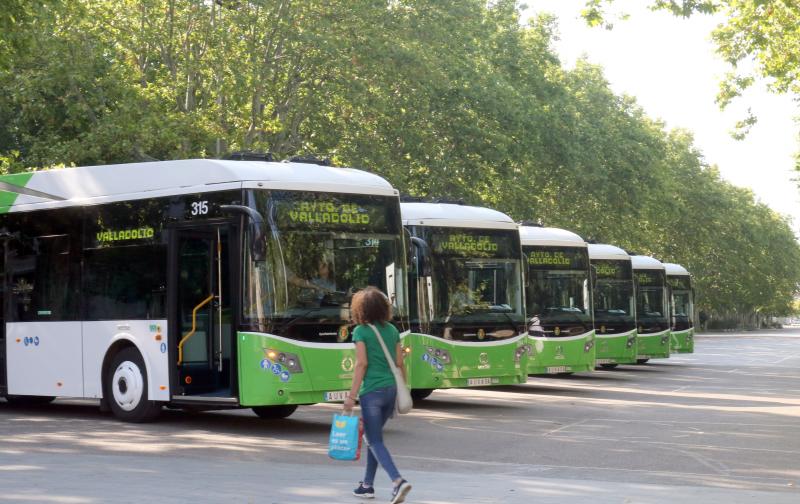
(452, 215)
(547, 236)
(607, 252)
(676, 270)
(106, 183)
(641, 262)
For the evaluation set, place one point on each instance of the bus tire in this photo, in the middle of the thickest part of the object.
(29, 400)
(125, 388)
(274, 412)
(421, 393)
(608, 366)
(642, 361)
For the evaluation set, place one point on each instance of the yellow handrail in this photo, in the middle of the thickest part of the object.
(194, 326)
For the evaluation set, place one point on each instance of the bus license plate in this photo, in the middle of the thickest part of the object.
(477, 382)
(556, 369)
(339, 395)
(604, 361)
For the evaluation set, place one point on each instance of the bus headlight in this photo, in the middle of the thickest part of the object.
(288, 361)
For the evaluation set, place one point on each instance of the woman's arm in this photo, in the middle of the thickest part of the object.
(400, 357)
(358, 375)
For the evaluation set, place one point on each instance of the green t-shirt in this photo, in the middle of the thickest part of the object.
(378, 374)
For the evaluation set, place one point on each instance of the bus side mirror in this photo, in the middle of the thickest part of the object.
(255, 229)
(422, 254)
(593, 275)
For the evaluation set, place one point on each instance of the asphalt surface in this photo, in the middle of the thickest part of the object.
(719, 425)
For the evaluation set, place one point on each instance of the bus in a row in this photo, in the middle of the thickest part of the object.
(212, 284)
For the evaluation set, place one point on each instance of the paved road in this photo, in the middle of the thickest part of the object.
(720, 425)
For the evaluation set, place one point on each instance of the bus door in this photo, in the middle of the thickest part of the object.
(203, 315)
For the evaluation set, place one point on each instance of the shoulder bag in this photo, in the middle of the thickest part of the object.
(403, 403)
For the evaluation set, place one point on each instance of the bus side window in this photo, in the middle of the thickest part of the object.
(125, 261)
(43, 267)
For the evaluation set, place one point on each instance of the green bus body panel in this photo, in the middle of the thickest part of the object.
(7, 198)
(653, 347)
(682, 341)
(264, 382)
(554, 355)
(617, 349)
(427, 369)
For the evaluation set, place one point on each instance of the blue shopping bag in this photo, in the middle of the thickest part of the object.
(345, 441)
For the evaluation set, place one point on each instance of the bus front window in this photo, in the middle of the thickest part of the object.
(476, 280)
(651, 301)
(681, 310)
(613, 296)
(321, 249)
(558, 287)
(559, 297)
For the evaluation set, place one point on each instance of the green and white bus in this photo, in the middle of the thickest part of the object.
(614, 303)
(194, 283)
(681, 296)
(466, 301)
(652, 309)
(558, 297)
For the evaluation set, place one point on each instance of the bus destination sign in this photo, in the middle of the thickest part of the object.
(557, 258)
(610, 269)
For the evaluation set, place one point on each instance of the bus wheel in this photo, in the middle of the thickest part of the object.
(27, 400)
(608, 366)
(275, 412)
(421, 393)
(641, 361)
(125, 388)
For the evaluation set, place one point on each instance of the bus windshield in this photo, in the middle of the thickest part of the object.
(476, 278)
(321, 249)
(613, 296)
(558, 286)
(650, 300)
(682, 302)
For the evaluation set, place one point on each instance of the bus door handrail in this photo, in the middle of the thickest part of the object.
(194, 326)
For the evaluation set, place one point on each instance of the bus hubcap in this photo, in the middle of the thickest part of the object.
(128, 386)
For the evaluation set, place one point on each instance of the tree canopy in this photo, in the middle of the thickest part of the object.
(452, 98)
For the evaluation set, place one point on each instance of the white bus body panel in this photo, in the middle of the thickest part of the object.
(98, 338)
(65, 359)
(602, 251)
(451, 215)
(675, 270)
(44, 358)
(549, 237)
(640, 262)
(91, 185)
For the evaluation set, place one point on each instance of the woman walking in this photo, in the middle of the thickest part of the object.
(374, 383)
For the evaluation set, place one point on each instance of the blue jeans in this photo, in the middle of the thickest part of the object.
(376, 408)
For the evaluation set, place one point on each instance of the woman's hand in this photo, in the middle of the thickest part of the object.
(349, 403)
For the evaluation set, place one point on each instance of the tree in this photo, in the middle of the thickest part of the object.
(759, 39)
